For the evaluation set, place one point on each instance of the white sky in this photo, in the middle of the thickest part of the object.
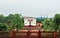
(30, 7)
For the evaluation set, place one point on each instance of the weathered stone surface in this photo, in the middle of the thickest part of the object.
(5, 34)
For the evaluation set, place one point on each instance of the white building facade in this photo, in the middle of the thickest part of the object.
(29, 21)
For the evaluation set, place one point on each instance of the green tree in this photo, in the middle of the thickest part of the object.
(17, 21)
(3, 27)
(14, 21)
(48, 24)
(8, 19)
(56, 21)
(2, 17)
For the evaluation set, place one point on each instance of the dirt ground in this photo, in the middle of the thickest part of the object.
(34, 35)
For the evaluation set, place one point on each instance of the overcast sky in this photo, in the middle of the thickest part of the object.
(30, 7)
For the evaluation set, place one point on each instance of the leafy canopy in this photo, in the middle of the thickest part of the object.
(3, 27)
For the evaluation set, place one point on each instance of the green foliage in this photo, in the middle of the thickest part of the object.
(57, 21)
(2, 18)
(8, 19)
(52, 24)
(17, 21)
(48, 24)
(13, 21)
(3, 27)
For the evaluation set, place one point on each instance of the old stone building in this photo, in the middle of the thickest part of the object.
(30, 23)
